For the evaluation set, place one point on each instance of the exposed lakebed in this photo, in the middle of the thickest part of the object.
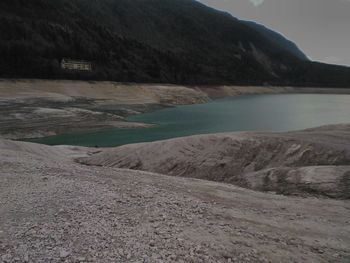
(283, 112)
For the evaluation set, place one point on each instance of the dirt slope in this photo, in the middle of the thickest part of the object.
(55, 210)
(230, 157)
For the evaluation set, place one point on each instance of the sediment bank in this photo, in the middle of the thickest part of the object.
(39, 108)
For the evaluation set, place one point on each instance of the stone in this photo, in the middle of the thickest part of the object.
(64, 253)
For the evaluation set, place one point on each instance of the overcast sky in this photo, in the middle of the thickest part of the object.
(321, 28)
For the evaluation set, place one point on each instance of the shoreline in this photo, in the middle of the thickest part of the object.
(278, 213)
(40, 108)
(234, 91)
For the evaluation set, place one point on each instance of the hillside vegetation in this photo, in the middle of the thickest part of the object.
(167, 41)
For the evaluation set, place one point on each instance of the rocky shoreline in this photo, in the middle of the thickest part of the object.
(53, 209)
(39, 108)
(311, 162)
(236, 197)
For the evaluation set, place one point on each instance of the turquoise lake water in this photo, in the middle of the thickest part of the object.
(246, 113)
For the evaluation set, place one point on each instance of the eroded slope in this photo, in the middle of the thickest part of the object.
(231, 157)
(55, 210)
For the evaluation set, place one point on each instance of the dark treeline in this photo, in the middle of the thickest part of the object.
(167, 41)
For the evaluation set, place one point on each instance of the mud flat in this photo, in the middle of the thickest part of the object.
(53, 209)
(39, 108)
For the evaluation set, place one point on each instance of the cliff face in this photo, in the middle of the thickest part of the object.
(170, 41)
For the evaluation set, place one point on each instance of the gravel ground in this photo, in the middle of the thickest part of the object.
(310, 162)
(55, 210)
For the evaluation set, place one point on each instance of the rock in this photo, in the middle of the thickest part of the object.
(81, 259)
(152, 243)
(64, 253)
(6, 258)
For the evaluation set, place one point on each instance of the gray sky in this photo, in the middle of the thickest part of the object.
(321, 28)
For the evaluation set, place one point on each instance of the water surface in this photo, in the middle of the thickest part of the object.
(283, 112)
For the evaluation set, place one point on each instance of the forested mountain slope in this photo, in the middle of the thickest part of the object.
(169, 41)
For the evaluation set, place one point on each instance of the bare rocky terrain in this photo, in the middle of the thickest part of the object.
(314, 161)
(39, 108)
(236, 197)
(53, 209)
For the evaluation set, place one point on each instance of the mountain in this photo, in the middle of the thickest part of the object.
(168, 41)
(278, 39)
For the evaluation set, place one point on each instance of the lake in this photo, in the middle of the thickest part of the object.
(282, 112)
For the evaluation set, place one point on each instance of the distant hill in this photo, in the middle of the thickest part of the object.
(169, 41)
